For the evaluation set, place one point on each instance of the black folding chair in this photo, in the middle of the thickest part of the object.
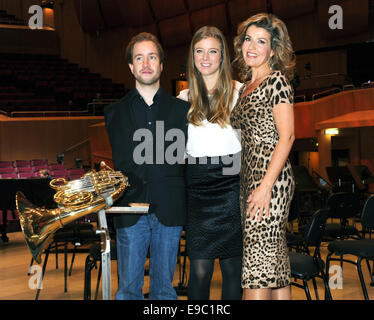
(343, 206)
(306, 267)
(363, 249)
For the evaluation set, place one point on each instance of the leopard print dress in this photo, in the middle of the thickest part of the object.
(265, 255)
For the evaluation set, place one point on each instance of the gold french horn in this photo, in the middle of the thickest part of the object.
(89, 194)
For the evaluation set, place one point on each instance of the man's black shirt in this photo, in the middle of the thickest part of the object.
(145, 115)
(145, 118)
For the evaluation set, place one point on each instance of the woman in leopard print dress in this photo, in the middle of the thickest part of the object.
(264, 113)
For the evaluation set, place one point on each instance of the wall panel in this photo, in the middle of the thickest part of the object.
(307, 114)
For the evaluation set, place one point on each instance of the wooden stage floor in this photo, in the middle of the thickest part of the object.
(14, 281)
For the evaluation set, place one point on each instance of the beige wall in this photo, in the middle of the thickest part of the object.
(23, 139)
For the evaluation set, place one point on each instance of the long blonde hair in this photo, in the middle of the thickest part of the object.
(216, 108)
(283, 59)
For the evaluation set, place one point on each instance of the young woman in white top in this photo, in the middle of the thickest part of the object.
(212, 166)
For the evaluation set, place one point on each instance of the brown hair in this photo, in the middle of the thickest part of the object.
(143, 36)
(216, 109)
(283, 59)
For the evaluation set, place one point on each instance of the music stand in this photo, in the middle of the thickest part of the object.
(103, 231)
(339, 175)
(322, 180)
(356, 172)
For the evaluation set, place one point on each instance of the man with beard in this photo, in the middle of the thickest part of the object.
(141, 113)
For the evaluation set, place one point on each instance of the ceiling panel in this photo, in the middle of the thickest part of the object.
(164, 9)
(175, 31)
(176, 20)
(355, 18)
(198, 4)
(240, 10)
(135, 13)
(89, 16)
(112, 16)
(214, 16)
(284, 10)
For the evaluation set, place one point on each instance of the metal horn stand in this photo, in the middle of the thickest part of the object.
(105, 243)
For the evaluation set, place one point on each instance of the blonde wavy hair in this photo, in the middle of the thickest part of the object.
(283, 59)
(216, 108)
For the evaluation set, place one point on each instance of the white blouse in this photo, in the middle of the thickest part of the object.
(209, 139)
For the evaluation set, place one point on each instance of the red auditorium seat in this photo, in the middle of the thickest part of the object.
(47, 102)
(6, 164)
(41, 167)
(8, 170)
(23, 163)
(80, 98)
(10, 216)
(25, 169)
(9, 176)
(4, 95)
(77, 171)
(55, 166)
(42, 84)
(30, 82)
(74, 176)
(5, 73)
(60, 174)
(39, 162)
(7, 89)
(28, 175)
(8, 103)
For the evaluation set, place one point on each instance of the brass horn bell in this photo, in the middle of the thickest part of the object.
(90, 193)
